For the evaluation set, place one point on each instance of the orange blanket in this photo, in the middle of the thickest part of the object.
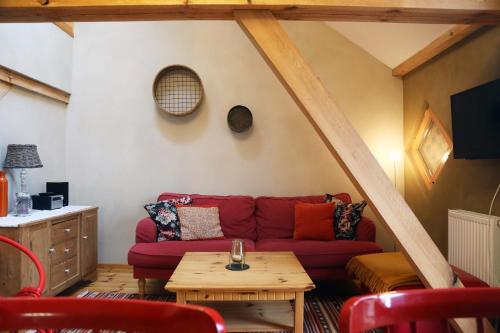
(382, 272)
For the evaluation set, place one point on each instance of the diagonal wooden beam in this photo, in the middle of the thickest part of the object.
(348, 148)
(67, 27)
(436, 47)
(416, 11)
(12, 77)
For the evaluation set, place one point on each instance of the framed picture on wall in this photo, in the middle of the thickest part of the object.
(431, 148)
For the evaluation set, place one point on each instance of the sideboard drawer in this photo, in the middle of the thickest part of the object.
(63, 251)
(64, 230)
(64, 271)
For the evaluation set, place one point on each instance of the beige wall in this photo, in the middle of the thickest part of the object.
(122, 151)
(464, 184)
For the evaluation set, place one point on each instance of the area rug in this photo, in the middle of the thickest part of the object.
(321, 313)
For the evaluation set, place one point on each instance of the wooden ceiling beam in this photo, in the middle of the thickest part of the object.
(346, 145)
(12, 77)
(436, 47)
(67, 27)
(416, 11)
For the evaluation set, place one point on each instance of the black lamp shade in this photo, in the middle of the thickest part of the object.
(22, 156)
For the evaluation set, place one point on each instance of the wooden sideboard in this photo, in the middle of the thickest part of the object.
(65, 241)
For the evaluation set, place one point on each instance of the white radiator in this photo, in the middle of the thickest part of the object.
(474, 244)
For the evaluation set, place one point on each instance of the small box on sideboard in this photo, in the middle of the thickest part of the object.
(65, 241)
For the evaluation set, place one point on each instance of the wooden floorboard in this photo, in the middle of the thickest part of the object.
(117, 279)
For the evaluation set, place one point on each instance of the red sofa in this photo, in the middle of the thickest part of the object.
(265, 223)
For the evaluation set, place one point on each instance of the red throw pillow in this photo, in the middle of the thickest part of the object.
(314, 221)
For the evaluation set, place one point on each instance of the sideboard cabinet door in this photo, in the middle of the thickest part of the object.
(89, 245)
(38, 241)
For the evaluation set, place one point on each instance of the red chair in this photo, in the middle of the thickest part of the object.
(23, 313)
(413, 310)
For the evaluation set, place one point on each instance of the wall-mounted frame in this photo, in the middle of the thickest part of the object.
(431, 148)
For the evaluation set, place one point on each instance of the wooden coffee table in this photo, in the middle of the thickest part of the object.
(254, 300)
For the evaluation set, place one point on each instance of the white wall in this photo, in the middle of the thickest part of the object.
(39, 50)
(44, 52)
(122, 151)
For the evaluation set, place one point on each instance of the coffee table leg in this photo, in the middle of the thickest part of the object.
(181, 297)
(299, 312)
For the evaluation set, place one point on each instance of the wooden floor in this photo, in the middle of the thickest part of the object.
(118, 278)
(115, 278)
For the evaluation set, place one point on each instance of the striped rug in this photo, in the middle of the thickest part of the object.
(321, 313)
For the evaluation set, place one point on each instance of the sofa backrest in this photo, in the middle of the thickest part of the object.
(236, 212)
(275, 216)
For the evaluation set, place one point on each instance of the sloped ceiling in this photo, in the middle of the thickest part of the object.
(391, 43)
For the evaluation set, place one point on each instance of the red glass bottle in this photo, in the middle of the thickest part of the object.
(4, 194)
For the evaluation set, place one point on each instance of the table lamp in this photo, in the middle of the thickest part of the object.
(22, 157)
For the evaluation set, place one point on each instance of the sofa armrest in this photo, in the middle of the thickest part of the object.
(146, 232)
(366, 231)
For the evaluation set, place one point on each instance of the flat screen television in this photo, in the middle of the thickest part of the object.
(475, 118)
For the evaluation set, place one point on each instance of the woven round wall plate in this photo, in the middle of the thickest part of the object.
(239, 118)
(177, 90)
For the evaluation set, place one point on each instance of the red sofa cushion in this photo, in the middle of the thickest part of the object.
(236, 212)
(168, 254)
(314, 221)
(275, 216)
(146, 231)
(320, 254)
(365, 230)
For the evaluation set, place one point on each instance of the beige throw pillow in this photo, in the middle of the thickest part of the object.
(199, 222)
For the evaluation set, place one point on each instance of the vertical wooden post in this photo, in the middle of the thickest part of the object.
(141, 283)
(298, 314)
(348, 148)
(180, 297)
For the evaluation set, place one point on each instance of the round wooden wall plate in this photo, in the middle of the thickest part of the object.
(177, 90)
(239, 118)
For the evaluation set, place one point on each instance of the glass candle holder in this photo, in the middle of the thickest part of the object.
(237, 254)
(24, 203)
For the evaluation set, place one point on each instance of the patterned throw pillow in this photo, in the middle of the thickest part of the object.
(346, 218)
(164, 213)
(199, 222)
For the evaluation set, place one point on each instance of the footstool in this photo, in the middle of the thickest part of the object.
(390, 271)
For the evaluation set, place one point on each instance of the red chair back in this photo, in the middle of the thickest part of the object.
(107, 314)
(388, 310)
